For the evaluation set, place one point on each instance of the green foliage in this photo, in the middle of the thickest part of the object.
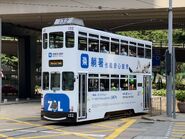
(151, 35)
(159, 36)
(178, 36)
(161, 92)
(180, 95)
(10, 61)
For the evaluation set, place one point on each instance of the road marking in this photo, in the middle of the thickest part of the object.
(105, 126)
(4, 136)
(45, 136)
(179, 137)
(51, 128)
(106, 130)
(119, 130)
(175, 130)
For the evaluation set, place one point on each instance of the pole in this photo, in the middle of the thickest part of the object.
(174, 96)
(169, 77)
(0, 62)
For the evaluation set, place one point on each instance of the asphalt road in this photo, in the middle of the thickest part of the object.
(23, 121)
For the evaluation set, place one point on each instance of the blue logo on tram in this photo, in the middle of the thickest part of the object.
(84, 61)
(56, 103)
(50, 55)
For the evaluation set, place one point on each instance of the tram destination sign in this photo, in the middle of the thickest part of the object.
(55, 63)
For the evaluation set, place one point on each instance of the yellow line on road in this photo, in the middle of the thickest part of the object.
(183, 123)
(105, 126)
(119, 130)
(176, 130)
(51, 128)
(5, 136)
(179, 137)
(99, 131)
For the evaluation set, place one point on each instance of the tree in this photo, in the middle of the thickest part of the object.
(159, 36)
(10, 61)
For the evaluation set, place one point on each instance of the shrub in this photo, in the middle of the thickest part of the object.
(160, 92)
(180, 95)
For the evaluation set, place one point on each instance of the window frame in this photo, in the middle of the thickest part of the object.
(52, 82)
(72, 80)
(68, 42)
(45, 44)
(54, 41)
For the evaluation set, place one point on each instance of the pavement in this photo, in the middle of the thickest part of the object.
(22, 120)
(180, 117)
(174, 129)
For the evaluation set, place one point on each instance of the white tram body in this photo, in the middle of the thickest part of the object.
(81, 82)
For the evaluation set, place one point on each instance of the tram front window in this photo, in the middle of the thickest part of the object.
(69, 39)
(55, 81)
(68, 81)
(45, 40)
(45, 81)
(56, 40)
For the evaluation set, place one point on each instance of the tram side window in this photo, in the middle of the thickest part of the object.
(45, 40)
(45, 81)
(140, 52)
(124, 49)
(114, 83)
(56, 40)
(82, 43)
(132, 82)
(104, 46)
(69, 39)
(124, 82)
(115, 47)
(104, 82)
(93, 84)
(93, 45)
(132, 51)
(68, 81)
(147, 53)
(55, 81)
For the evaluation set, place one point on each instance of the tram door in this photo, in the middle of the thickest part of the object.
(82, 96)
(146, 91)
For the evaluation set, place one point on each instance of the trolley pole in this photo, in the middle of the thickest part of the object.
(169, 61)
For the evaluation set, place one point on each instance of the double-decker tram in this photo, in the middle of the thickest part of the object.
(88, 74)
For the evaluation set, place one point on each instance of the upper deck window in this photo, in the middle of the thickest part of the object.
(69, 39)
(93, 45)
(147, 53)
(104, 44)
(82, 41)
(56, 40)
(45, 40)
(115, 46)
(140, 51)
(132, 49)
(124, 48)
